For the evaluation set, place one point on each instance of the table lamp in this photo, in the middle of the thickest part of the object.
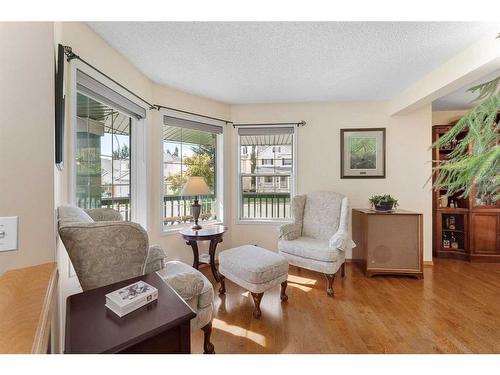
(194, 186)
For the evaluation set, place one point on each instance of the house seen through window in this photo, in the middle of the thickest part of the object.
(266, 172)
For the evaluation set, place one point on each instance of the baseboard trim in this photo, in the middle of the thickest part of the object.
(428, 263)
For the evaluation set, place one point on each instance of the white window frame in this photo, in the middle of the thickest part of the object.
(220, 168)
(138, 143)
(293, 188)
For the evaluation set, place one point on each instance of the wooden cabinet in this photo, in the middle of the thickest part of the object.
(388, 243)
(463, 228)
(485, 236)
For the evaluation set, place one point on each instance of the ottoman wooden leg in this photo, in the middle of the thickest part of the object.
(222, 288)
(208, 347)
(257, 297)
(283, 295)
(329, 287)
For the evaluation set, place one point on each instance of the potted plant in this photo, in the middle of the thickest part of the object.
(383, 202)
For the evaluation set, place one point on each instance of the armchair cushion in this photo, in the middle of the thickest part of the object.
(104, 214)
(68, 215)
(311, 248)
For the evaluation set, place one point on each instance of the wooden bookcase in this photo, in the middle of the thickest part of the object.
(463, 228)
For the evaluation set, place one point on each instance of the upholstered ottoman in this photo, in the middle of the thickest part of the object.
(255, 269)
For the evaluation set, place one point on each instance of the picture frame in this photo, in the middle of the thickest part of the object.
(362, 153)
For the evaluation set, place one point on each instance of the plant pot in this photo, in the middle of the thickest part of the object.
(384, 206)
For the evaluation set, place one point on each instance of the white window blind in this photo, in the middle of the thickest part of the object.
(97, 90)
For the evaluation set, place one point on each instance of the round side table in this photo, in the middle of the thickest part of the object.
(212, 233)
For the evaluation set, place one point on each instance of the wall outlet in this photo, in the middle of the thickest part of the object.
(8, 233)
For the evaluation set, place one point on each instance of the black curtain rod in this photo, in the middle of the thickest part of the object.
(70, 55)
(300, 123)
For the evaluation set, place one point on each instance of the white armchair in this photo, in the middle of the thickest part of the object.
(318, 237)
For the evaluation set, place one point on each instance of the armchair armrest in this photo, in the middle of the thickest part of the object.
(290, 231)
(155, 259)
(341, 240)
(187, 284)
(104, 214)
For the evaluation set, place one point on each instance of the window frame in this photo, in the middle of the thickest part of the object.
(138, 145)
(238, 220)
(220, 168)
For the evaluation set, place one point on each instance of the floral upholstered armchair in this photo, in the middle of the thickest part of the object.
(318, 237)
(104, 250)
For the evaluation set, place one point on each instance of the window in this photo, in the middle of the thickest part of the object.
(190, 148)
(265, 183)
(104, 152)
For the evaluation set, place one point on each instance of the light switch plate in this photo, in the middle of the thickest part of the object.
(8, 233)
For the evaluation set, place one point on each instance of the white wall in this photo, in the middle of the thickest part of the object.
(446, 117)
(408, 158)
(27, 140)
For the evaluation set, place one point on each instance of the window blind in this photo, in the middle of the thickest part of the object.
(266, 130)
(262, 136)
(93, 88)
(192, 125)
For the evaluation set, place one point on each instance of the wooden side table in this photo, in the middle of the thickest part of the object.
(163, 326)
(214, 234)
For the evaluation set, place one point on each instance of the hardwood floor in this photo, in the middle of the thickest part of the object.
(455, 309)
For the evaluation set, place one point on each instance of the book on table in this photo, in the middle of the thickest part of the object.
(127, 299)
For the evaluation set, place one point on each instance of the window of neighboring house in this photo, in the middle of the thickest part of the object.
(103, 149)
(265, 184)
(105, 157)
(190, 148)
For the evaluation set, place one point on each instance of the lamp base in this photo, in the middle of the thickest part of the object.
(196, 209)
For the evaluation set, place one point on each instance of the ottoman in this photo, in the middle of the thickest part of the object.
(255, 269)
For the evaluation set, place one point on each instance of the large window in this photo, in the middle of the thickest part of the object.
(190, 148)
(106, 160)
(102, 156)
(266, 172)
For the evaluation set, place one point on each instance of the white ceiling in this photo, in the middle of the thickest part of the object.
(263, 62)
(461, 99)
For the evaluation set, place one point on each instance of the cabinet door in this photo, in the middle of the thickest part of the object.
(485, 233)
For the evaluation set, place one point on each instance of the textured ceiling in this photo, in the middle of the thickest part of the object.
(461, 99)
(263, 62)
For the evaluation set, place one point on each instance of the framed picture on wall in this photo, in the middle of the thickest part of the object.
(362, 153)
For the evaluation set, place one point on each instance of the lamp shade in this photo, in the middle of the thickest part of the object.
(195, 185)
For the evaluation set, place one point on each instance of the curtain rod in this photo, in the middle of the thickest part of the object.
(70, 55)
(68, 51)
(300, 123)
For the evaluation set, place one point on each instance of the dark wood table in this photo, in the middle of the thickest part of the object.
(162, 326)
(212, 233)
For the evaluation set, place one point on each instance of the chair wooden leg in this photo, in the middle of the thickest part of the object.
(257, 297)
(329, 287)
(208, 347)
(342, 270)
(283, 295)
(222, 288)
